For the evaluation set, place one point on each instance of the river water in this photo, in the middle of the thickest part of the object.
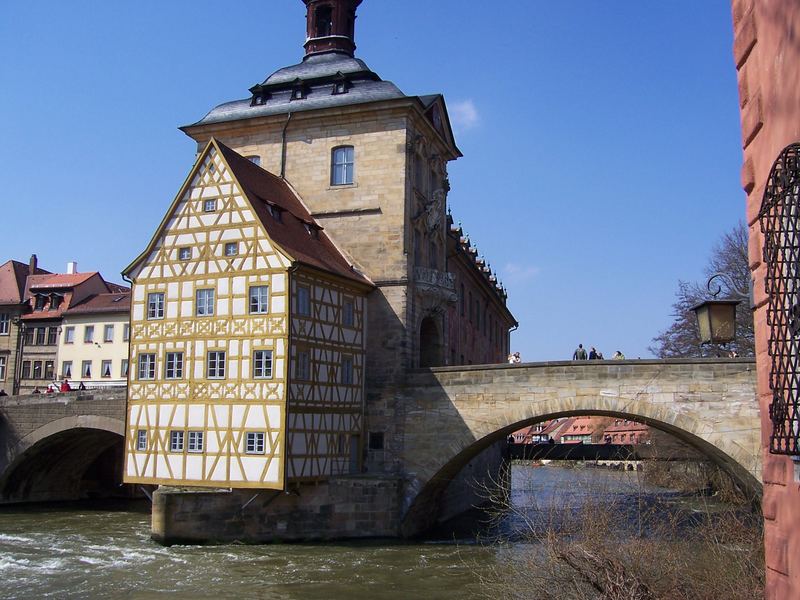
(104, 551)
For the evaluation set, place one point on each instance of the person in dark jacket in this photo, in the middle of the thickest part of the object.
(580, 353)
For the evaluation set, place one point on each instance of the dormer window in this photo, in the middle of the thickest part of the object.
(274, 212)
(298, 93)
(323, 21)
(259, 99)
(312, 230)
(55, 301)
(41, 301)
(340, 87)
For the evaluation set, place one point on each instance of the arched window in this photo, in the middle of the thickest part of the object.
(323, 23)
(342, 165)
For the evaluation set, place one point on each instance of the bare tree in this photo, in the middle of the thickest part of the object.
(681, 339)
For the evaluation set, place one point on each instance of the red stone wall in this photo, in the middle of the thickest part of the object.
(767, 55)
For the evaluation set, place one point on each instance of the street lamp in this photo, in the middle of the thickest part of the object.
(716, 319)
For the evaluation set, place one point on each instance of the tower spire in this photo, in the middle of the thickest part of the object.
(330, 26)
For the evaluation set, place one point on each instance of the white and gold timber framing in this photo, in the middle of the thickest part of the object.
(212, 400)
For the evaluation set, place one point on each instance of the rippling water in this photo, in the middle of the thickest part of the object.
(106, 552)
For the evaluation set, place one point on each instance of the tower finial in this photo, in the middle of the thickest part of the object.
(330, 26)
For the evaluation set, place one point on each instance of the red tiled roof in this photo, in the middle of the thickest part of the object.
(102, 303)
(627, 427)
(57, 280)
(263, 188)
(13, 275)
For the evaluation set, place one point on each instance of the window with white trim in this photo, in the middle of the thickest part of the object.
(259, 299)
(69, 335)
(155, 305)
(5, 319)
(141, 439)
(342, 165)
(108, 333)
(173, 365)
(176, 441)
(195, 441)
(66, 369)
(184, 253)
(210, 205)
(262, 364)
(231, 248)
(204, 303)
(3, 360)
(123, 368)
(86, 369)
(126, 332)
(105, 368)
(254, 442)
(215, 364)
(147, 366)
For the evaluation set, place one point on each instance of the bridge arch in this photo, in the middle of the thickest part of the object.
(709, 405)
(66, 459)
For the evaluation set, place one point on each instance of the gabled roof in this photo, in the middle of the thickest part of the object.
(13, 275)
(102, 303)
(298, 235)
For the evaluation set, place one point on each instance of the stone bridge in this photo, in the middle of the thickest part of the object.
(61, 446)
(453, 413)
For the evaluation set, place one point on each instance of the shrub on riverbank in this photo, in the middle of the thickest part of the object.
(599, 544)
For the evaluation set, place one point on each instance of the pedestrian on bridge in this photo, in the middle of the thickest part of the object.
(580, 353)
(618, 356)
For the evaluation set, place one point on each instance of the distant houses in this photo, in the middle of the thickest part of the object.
(55, 326)
(584, 430)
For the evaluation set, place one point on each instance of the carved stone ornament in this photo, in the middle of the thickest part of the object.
(436, 289)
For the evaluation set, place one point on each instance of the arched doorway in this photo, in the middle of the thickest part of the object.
(430, 343)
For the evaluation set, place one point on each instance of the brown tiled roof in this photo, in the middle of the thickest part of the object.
(629, 426)
(102, 303)
(263, 188)
(13, 275)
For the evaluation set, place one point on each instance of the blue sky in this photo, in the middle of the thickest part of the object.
(601, 139)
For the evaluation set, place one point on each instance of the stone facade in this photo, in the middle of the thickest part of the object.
(766, 53)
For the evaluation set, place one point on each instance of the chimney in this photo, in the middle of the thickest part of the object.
(72, 267)
(32, 265)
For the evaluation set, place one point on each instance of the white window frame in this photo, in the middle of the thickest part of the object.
(3, 363)
(155, 305)
(262, 364)
(66, 369)
(141, 440)
(195, 441)
(343, 163)
(126, 332)
(108, 333)
(258, 299)
(210, 205)
(69, 335)
(103, 365)
(204, 302)
(176, 441)
(185, 253)
(255, 442)
(146, 366)
(88, 334)
(86, 367)
(124, 367)
(5, 320)
(231, 248)
(173, 365)
(215, 364)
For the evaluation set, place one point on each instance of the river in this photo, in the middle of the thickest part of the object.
(103, 550)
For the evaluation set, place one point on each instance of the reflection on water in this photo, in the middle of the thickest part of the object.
(106, 552)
